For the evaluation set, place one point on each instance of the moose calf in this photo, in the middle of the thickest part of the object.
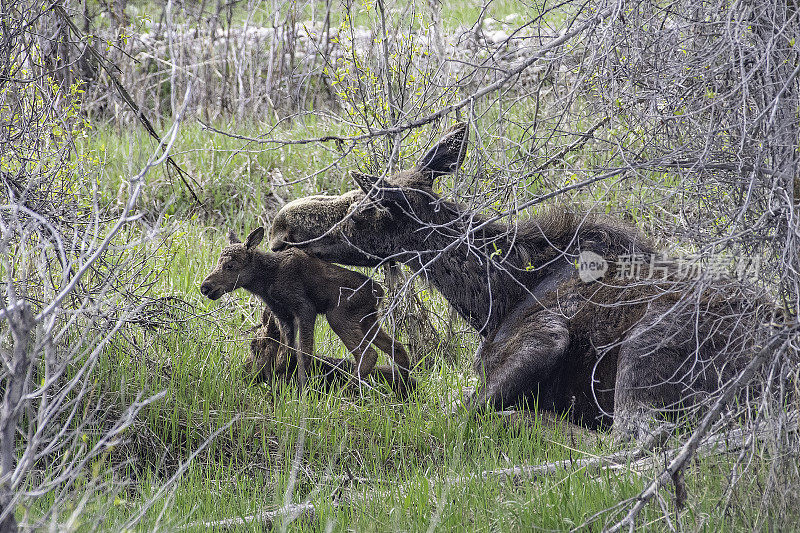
(297, 287)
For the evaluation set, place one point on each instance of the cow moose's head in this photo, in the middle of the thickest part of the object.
(381, 220)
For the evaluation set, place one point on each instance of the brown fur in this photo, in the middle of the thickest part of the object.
(271, 360)
(297, 287)
(594, 349)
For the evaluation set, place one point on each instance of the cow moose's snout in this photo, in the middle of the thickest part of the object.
(206, 289)
(277, 245)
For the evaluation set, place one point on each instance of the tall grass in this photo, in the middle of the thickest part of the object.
(367, 462)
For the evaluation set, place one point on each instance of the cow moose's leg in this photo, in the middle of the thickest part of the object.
(522, 358)
(653, 374)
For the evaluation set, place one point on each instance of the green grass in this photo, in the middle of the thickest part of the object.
(234, 180)
(423, 458)
(454, 13)
(411, 451)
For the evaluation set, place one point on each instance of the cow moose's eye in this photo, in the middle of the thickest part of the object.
(229, 266)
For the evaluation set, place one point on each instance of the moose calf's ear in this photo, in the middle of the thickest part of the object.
(232, 238)
(254, 238)
(446, 156)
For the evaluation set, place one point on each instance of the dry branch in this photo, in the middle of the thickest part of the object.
(641, 460)
(263, 519)
(126, 97)
(690, 448)
(509, 76)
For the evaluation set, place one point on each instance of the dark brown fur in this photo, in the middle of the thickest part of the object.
(297, 287)
(595, 350)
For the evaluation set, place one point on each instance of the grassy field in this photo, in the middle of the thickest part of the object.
(454, 13)
(366, 463)
(370, 461)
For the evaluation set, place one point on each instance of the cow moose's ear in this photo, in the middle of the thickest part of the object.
(232, 238)
(364, 181)
(446, 156)
(392, 196)
(254, 238)
(377, 189)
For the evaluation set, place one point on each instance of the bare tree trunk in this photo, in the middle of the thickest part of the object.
(392, 141)
(173, 71)
(20, 323)
(5, 42)
(437, 29)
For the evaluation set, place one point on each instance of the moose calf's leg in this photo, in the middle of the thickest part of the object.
(349, 331)
(305, 325)
(522, 358)
(288, 327)
(375, 334)
(403, 384)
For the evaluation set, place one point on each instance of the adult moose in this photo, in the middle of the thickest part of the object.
(594, 349)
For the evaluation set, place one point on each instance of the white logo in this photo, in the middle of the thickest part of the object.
(591, 266)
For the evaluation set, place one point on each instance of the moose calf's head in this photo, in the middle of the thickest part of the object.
(364, 227)
(235, 266)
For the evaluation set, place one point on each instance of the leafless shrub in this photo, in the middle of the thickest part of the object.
(71, 282)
